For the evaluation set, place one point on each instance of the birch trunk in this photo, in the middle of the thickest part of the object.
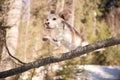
(12, 20)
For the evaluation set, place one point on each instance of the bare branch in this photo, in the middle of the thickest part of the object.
(65, 56)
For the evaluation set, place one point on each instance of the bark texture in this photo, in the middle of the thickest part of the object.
(12, 20)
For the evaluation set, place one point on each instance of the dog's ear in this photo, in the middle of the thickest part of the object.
(61, 15)
(52, 12)
(65, 14)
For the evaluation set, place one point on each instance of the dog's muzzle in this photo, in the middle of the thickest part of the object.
(47, 26)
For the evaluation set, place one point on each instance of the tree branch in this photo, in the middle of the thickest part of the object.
(65, 56)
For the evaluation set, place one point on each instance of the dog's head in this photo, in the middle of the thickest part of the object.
(53, 23)
(52, 20)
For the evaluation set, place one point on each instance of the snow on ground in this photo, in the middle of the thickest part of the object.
(85, 72)
(97, 72)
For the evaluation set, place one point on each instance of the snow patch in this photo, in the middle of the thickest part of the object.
(97, 72)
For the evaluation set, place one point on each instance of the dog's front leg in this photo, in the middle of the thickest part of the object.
(54, 41)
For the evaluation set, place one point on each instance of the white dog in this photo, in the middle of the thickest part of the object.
(62, 33)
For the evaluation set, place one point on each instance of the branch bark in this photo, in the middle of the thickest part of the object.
(65, 56)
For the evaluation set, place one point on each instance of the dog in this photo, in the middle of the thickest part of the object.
(60, 32)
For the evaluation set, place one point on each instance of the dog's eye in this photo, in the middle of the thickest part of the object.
(46, 19)
(54, 18)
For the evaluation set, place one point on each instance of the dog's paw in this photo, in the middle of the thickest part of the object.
(45, 39)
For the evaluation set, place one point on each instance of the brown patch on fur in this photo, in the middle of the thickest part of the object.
(76, 35)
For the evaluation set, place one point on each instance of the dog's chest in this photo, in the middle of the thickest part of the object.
(67, 39)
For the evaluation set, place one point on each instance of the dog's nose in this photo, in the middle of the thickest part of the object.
(47, 23)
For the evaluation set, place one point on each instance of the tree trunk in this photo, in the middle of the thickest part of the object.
(69, 4)
(113, 20)
(12, 20)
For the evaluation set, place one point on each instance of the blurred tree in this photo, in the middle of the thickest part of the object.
(89, 18)
(12, 19)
